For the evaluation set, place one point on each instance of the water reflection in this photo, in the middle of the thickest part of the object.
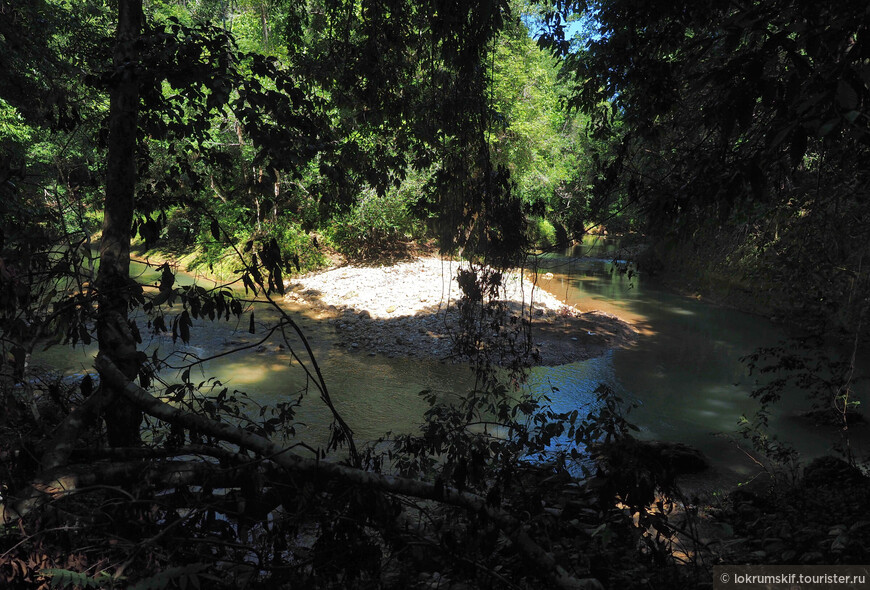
(684, 372)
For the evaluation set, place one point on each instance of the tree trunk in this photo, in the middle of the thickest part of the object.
(113, 279)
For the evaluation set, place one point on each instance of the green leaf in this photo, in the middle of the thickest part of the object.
(61, 578)
(847, 98)
(828, 127)
(167, 279)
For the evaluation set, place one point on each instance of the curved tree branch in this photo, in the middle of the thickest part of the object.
(292, 462)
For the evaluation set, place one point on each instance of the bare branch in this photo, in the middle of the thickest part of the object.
(512, 526)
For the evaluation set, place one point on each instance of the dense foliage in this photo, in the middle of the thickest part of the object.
(742, 128)
(259, 135)
(251, 129)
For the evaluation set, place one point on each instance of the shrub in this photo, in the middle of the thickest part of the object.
(182, 228)
(377, 225)
(298, 248)
(542, 234)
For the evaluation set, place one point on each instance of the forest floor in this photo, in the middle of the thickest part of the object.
(410, 309)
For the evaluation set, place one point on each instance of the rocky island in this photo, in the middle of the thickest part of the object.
(410, 309)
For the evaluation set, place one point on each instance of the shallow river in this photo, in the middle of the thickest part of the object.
(684, 372)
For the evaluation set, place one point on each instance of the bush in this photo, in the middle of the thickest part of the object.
(542, 234)
(182, 228)
(377, 226)
(298, 248)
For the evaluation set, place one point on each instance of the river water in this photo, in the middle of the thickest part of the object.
(684, 373)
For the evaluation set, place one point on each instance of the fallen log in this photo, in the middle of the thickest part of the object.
(511, 526)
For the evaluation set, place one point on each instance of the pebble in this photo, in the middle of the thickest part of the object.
(859, 525)
(839, 544)
(409, 309)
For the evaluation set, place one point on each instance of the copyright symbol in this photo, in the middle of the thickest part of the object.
(724, 578)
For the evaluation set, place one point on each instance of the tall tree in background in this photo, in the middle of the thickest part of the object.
(744, 128)
(402, 84)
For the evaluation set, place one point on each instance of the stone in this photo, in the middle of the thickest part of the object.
(417, 294)
(811, 557)
(861, 524)
(832, 472)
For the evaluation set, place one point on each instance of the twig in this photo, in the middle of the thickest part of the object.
(288, 460)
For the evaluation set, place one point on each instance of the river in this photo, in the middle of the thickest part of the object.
(684, 373)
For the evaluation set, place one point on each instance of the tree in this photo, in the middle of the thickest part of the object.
(741, 135)
(168, 83)
(114, 288)
(532, 134)
(743, 128)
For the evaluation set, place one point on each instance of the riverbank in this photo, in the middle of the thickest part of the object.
(410, 309)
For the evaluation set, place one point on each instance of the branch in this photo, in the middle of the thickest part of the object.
(350, 475)
(127, 453)
(319, 381)
(58, 483)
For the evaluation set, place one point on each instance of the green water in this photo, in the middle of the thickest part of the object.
(684, 373)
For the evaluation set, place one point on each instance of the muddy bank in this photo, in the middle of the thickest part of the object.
(410, 309)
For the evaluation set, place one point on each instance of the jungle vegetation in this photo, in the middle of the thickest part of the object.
(260, 136)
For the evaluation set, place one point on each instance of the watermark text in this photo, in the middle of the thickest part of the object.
(790, 577)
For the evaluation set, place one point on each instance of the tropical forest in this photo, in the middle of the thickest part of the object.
(434, 294)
